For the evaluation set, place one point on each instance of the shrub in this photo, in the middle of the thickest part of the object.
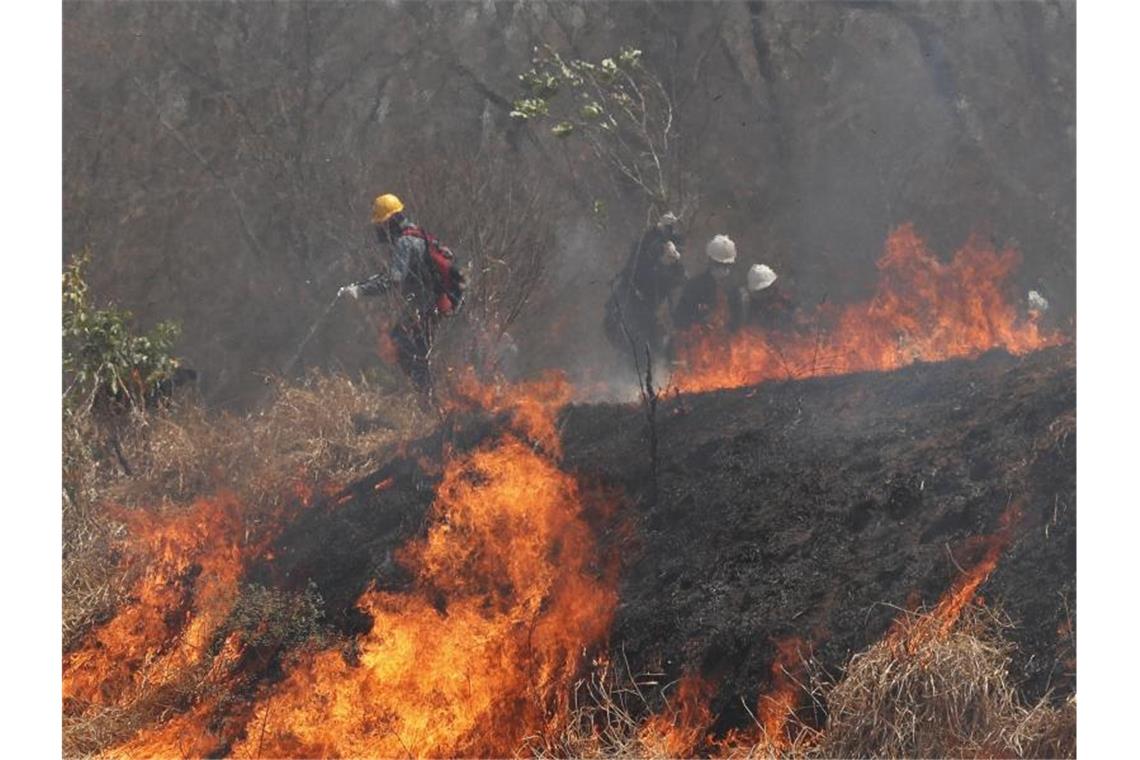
(106, 361)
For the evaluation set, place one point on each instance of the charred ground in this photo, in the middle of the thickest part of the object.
(816, 508)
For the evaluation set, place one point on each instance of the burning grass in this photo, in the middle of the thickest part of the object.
(937, 684)
(328, 431)
(509, 592)
(923, 309)
(169, 651)
(908, 695)
(163, 510)
(911, 696)
(504, 604)
(613, 717)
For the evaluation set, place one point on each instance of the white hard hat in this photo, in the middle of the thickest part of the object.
(668, 219)
(1038, 302)
(760, 276)
(721, 249)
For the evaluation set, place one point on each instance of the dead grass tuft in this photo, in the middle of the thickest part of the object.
(612, 716)
(949, 696)
(330, 427)
(909, 695)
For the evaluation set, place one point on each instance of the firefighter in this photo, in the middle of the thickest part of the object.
(764, 303)
(425, 279)
(651, 276)
(709, 299)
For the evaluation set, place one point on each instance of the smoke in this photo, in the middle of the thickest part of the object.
(809, 131)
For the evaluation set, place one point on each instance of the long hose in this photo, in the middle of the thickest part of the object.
(312, 331)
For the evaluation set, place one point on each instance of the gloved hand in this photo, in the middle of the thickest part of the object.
(351, 290)
(670, 254)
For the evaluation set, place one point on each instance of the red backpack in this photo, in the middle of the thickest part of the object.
(447, 277)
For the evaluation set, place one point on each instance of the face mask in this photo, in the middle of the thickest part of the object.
(720, 272)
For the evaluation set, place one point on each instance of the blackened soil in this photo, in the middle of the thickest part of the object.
(818, 508)
(812, 508)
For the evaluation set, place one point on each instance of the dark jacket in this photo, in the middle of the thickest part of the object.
(705, 299)
(770, 309)
(647, 275)
(409, 268)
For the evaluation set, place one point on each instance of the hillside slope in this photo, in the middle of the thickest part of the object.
(818, 508)
(813, 508)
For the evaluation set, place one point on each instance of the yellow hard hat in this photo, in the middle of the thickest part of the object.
(384, 206)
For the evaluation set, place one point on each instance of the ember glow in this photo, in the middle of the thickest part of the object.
(922, 310)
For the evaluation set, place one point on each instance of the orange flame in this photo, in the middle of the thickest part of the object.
(682, 727)
(533, 405)
(192, 560)
(510, 592)
(775, 707)
(507, 599)
(922, 310)
(940, 621)
(184, 735)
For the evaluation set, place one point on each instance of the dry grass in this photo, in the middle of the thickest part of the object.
(91, 731)
(90, 579)
(950, 696)
(324, 433)
(616, 716)
(906, 696)
(612, 717)
(329, 430)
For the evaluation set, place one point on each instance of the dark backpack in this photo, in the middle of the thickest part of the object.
(448, 280)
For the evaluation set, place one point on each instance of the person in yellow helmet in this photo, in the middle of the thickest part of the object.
(384, 207)
(424, 274)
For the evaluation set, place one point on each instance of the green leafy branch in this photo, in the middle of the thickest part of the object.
(617, 106)
(101, 355)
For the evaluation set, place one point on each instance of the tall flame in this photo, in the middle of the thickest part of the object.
(922, 310)
(480, 655)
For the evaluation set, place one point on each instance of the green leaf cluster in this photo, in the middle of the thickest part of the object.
(551, 74)
(101, 354)
(619, 109)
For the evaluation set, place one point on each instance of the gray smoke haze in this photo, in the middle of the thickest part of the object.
(219, 159)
